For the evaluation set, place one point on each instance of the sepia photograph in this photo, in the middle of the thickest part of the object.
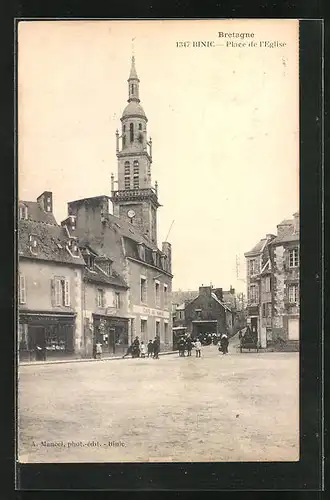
(158, 296)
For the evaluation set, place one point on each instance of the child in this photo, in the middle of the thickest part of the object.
(198, 348)
(143, 349)
(98, 350)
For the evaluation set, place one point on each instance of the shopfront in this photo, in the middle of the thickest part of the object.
(42, 336)
(112, 333)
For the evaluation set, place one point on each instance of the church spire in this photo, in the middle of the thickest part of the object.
(133, 83)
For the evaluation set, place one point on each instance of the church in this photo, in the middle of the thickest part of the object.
(122, 229)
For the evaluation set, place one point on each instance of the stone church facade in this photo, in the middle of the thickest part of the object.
(127, 235)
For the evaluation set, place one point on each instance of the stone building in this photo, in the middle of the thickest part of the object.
(285, 258)
(207, 313)
(273, 285)
(105, 305)
(127, 235)
(50, 273)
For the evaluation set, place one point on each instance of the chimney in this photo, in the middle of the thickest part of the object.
(296, 222)
(232, 290)
(167, 250)
(205, 290)
(45, 201)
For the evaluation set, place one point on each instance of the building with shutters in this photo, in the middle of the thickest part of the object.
(273, 286)
(50, 274)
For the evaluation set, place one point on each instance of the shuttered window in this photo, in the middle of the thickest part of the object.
(61, 292)
(22, 289)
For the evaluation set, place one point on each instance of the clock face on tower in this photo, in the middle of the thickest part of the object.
(131, 214)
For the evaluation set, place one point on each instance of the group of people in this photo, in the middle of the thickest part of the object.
(140, 350)
(188, 344)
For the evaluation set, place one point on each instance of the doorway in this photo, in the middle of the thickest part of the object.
(38, 341)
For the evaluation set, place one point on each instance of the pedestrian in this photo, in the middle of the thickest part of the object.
(198, 348)
(181, 346)
(189, 346)
(143, 349)
(98, 350)
(150, 349)
(156, 345)
(136, 348)
(129, 351)
(224, 343)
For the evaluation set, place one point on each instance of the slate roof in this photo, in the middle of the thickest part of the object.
(49, 237)
(258, 248)
(99, 277)
(213, 295)
(286, 236)
(36, 213)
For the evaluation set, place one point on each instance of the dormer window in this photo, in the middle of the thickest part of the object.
(23, 212)
(33, 244)
(108, 268)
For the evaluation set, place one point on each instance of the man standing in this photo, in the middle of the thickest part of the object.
(189, 345)
(156, 345)
(150, 349)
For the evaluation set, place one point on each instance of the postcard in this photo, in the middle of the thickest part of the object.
(158, 241)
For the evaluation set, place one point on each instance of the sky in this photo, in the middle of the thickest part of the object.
(224, 122)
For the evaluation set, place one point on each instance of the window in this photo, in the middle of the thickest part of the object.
(294, 257)
(266, 310)
(165, 295)
(22, 289)
(23, 212)
(253, 267)
(124, 128)
(266, 284)
(48, 206)
(166, 339)
(140, 126)
(136, 183)
(124, 141)
(144, 328)
(132, 88)
(198, 313)
(253, 294)
(157, 328)
(157, 293)
(136, 167)
(127, 168)
(33, 244)
(100, 298)
(117, 300)
(61, 292)
(293, 294)
(127, 183)
(142, 251)
(131, 132)
(143, 290)
(108, 268)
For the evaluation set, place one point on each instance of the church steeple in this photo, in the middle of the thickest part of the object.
(133, 83)
(135, 191)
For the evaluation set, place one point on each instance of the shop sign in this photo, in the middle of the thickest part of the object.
(148, 311)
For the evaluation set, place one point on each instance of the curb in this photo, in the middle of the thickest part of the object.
(82, 360)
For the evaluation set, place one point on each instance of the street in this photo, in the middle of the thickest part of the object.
(239, 407)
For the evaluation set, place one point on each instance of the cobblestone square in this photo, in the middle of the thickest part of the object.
(240, 407)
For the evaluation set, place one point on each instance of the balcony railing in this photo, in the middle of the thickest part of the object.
(135, 194)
